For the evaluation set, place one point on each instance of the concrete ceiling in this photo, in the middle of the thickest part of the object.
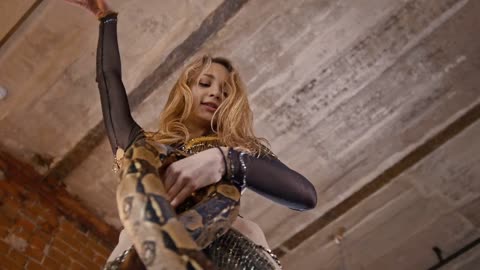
(377, 102)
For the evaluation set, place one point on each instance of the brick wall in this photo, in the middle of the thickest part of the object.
(36, 234)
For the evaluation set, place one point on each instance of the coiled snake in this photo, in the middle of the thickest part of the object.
(165, 238)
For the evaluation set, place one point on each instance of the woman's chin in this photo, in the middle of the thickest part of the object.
(202, 119)
(206, 117)
(205, 121)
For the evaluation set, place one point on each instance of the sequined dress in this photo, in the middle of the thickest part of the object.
(230, 251)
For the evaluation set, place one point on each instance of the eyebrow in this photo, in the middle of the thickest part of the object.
(209, 75)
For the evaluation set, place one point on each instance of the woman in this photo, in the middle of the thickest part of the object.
(208, 118)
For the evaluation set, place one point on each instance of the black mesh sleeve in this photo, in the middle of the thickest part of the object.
(265, 175)
(120, 126)
(269, 177)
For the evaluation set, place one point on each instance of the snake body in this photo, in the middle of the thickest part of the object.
(165, 238)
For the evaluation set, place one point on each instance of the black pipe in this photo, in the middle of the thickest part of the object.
(456, 254)
(438, 252)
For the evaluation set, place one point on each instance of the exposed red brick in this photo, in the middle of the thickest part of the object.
(37, 242)
(4, 247)
(58, 256)
(10, 208)
(35, 252)
(20, 232)
(87, 251)
(50, 217)
(88, 262)
(68, 239)
(5, 221)
(83, 238)
(30, 201)
(46, 237)
(19, 258)
(3, 232)
(35, 231)
(59, 244)
(34, 266)
(68, 227)
(25, 224)
(50, 263)
(16, 242)
(7, 263)
(77, 266)
(99, 260)
(99, 248)
(70, 252)
(45, 227)
(12, 190)
(32, 209)
(3, 194)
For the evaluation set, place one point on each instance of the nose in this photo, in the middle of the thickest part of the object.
(215, 92)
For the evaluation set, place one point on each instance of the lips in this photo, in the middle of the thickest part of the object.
(211, 105)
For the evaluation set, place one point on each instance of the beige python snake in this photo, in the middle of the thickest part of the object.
(165, 238)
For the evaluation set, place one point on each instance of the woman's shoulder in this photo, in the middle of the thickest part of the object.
(263, 150)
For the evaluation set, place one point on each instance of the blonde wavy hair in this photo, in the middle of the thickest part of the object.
(232, 122)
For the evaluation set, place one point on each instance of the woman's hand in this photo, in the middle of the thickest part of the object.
(98, 8)
(194, 172)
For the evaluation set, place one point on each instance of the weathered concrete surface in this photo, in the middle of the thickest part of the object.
(343, 90)
(394, 107)
(469, 261)
(390, 79)
(51, 110)
(11, 11)
(405, 103)
(397, 227)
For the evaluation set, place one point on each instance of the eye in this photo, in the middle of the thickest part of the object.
(204, 84)
(225, 90)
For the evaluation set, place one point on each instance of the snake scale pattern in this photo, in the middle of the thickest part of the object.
(163, 237)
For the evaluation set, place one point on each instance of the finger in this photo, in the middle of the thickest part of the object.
(170, 178)
(102, 5)
(73, 1)
(184, 193)
(76, 2)
(175, 189)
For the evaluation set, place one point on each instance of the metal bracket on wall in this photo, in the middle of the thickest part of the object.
(450, 258)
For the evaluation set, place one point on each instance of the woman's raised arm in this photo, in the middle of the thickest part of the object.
(121, 128)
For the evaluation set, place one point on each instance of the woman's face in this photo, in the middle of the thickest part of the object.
(207, 94)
